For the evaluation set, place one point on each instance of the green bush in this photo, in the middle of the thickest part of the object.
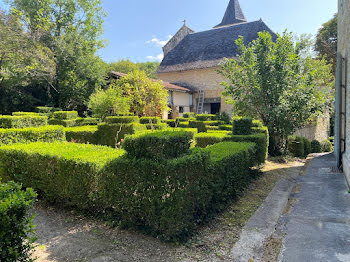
(170, 198)
(89, 121)
(65, 123)
(25, 114)
(122, 119)
(326, 146)
(205, 117)
(81, 134)
(47, 111)
(62, 173)
(171, 122)
(31, 134)
(160, 126)
(65, 115)
(213, 123)
(224, 117)
(242, 126)
(226, 127)
(257, 123)
(199, 125)
(316, 146)
(184, 125)
(22, 121)
(112, 134)
(146, 120)
(189, 115)
(295, 145)
(205, 139)
(307, 146)
(214, 128)
(158, 145)
(17, 230)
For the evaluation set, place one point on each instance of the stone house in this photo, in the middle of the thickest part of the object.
(192, 59)
(342, 129)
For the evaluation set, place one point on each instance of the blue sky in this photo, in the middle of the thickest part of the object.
(131, 25)
(136, 29)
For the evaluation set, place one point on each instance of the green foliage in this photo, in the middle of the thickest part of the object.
(189, 115)
(32, 134)
(170, 198)
(316, 146)
(147, 97)
(109, 102)
(65, 123)
(126, 67)
(122, 119)
(22, 121)
(205, 117)
(257, 123)
(295, 145)
(224, 117)
(160, 126)
(65, 115)
(286, 88)
(225, 127)
(25, 114)
(205, 139)
(63, 173)
(148, 120)
(158, 145)
(212, 128)
(82, 134)
(199, 125)
(242, 126)
(327, 40)
(89, 121)
(213, 123)
(307, 146)
(17, 229)
(112, 134)
(326, 146)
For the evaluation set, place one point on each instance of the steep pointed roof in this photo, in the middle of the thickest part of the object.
(233, 14)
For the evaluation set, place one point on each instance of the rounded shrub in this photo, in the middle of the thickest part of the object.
(316, 146)
(242, 126)
(326, 146)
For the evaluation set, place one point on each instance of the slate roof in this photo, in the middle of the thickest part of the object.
(207, 49)
(233, 14)
(167, 85)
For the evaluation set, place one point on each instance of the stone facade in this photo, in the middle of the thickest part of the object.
(316, 131)
(206, 79)
(342, 129)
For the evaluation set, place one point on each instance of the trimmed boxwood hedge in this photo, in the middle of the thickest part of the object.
(81, 134)
(62, 173)
(205, 139)
(225, 127)
(242, 126)
(17, 230)
(32, 134)
(158, 145)
(25, 114)
(146, 120)
(295, 145)
(199, 125)
(22, 121)
(205, 117)
(189, 115)
(65, 115)
(112, 134)
(160, 126)
(65, 123)
(213, 123)
(315, 146)
(122, 119)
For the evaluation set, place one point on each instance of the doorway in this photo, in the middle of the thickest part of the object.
(215, 108)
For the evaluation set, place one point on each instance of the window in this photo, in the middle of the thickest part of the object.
(181, 109)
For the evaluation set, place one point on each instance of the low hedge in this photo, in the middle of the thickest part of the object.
(199, 125)
(112, 134)
(65, 123)
(22, 121)
(32, 134)
(81, 134)
(213, 128)
(295, 145)
(316, 146)
(242, 126)
(62, 173)
(146, 120)
(326, 146)
(307, 146)
(160, 126)
(205, 117)
(170, 198)
(213, 123)
(65, 115)
(184, 125)
(205, 139)
(17, 229)
(122, 119)
(89, 121)
(225, 127)
(25, 114)
(158, 145)
(189, 115)
(257, 123)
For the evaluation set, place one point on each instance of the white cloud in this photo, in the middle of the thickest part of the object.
(157, 58)
(156, 41)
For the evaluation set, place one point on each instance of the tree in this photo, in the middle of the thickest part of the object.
(24, 62)
(327, 41)
(147, 97)
(150, 68)
(271, 81)
(71, 29)
(126, 66)
(108, 102)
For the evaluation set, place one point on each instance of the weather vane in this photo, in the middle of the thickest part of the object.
(184, 21)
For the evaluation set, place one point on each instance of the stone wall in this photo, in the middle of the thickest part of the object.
(207, 79)
(343, 77)
(316, 131)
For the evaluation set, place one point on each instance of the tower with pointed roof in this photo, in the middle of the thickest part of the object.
(233, 15)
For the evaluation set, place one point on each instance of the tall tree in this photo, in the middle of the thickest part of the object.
(127, 66)
(271, 81)
(327, 40)
(71, 29)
